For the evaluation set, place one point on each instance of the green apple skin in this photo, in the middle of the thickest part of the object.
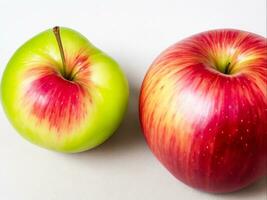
(67, 109)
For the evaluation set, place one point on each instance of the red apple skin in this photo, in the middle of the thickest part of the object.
(51, 91)
(203, 109)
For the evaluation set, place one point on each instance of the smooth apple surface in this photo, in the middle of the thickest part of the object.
(203, 109)
(62, 93)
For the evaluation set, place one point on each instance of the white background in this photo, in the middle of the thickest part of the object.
(133, 33)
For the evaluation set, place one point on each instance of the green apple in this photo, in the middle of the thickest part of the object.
(62, 93)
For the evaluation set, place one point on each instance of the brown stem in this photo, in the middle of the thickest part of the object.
(61, 50)
(226, 70)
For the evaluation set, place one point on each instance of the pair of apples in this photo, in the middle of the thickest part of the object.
(203, 102)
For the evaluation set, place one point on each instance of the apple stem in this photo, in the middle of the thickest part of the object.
(56, 31)
(226, 70)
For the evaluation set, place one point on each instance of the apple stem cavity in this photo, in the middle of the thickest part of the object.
(56, 31)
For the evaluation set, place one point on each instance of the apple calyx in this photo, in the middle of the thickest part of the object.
(56, 31)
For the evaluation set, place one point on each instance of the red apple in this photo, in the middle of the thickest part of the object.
(203, 109)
